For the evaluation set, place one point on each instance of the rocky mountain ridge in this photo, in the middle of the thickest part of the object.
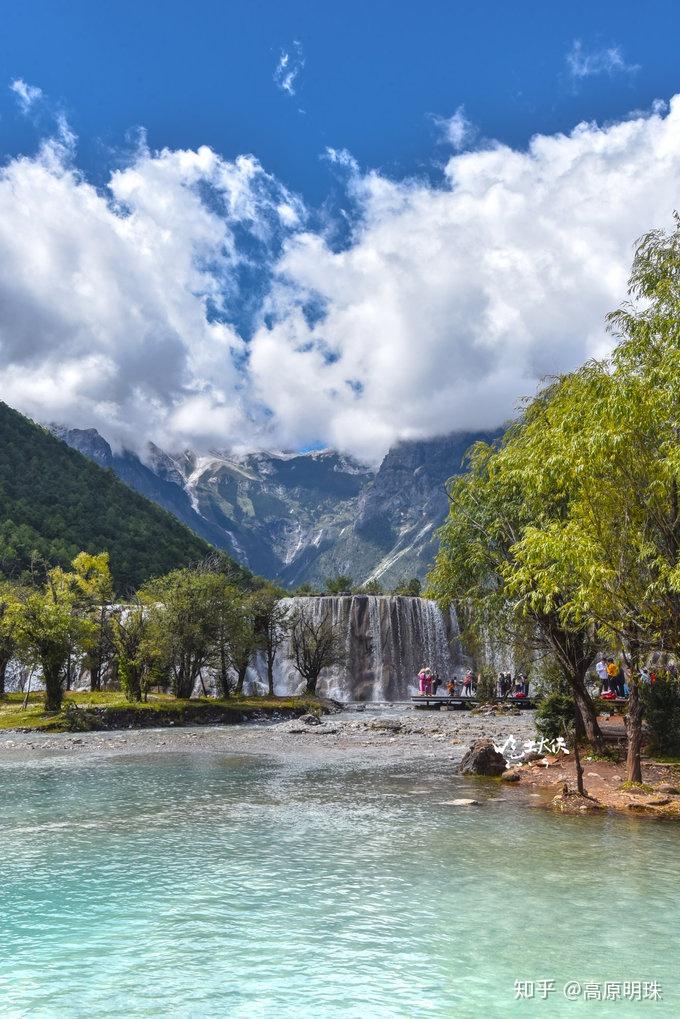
(302, 517)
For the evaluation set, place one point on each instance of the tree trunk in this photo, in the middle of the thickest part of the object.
(577, 755)
(242, 669)
(311, 684)
(586, 709)
(224, 672)
(270, 674)
(4, 662)
(95, 677)
(634, 731)
(54, 690)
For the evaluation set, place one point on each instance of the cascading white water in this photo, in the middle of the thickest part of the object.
(387, 640)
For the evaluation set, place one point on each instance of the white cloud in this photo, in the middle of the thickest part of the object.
(451, 302)
(110, 303)
(443, 306)
(456, 131)
(288, 68)
(27, 95)
(582, 63)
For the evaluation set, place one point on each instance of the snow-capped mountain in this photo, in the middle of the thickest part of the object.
(301, 517)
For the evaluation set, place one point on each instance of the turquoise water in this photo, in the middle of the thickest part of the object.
(207, 886)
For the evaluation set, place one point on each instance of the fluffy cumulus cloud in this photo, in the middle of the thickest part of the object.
(445, 304)
(451, 302)
(112, 305)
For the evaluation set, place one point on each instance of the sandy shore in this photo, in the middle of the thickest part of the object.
(604, 782)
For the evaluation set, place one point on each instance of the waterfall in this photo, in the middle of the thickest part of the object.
(387, 640)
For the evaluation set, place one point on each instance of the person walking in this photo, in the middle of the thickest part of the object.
(612, 672)
(467, 684)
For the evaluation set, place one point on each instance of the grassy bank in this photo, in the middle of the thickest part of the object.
(82, 711)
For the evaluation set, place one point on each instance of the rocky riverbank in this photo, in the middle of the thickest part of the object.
(390, 736)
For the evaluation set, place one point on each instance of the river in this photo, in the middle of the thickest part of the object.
(228, 885)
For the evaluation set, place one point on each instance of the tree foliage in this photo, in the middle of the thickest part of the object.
(575, 520)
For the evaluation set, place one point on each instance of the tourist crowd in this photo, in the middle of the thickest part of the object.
(507, 686)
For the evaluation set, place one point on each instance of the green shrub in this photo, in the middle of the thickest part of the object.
(554, 713)
(75, 719)
(661, 704)
(486, 691)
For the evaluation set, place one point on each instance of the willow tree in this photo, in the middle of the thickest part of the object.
(612, 432)
(491, 507)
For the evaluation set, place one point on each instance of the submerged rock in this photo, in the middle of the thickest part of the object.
(483, 759)
(309, 719)
(461, 803)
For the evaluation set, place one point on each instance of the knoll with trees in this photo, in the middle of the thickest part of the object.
(564, 539)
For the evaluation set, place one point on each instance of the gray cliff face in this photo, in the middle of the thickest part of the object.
(300, 518)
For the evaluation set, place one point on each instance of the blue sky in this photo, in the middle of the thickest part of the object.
(244, 225)
(202, 73)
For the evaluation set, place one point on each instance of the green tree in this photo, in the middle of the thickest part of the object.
(94, 586)
(339, 584)
(491, 507)
(408, 588)
(243, 638)
(184, 610)
(611, 431)
(139, 660)
(49, 629)
(11, 597)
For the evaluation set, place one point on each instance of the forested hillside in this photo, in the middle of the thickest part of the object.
(55, 502)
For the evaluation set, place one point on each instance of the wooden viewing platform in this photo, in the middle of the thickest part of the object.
(434, 702)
